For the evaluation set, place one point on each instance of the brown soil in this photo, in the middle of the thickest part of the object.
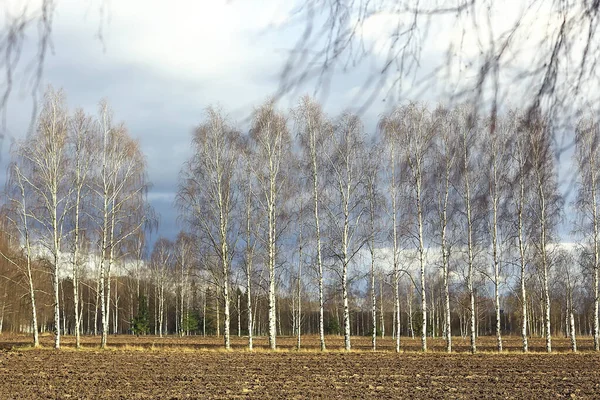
(362, 343)
(173, 368)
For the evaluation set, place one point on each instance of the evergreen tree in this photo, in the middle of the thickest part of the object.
(140, 323)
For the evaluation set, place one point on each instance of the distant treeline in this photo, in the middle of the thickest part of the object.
(438, 222)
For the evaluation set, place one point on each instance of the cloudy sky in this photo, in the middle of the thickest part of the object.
(160, 63)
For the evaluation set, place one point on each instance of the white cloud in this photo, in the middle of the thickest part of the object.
(182, 40)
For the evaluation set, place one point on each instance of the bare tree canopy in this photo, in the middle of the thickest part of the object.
(431, 222)
(21, 68)
(488, 53)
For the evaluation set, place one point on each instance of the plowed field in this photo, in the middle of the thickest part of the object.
(187, 368)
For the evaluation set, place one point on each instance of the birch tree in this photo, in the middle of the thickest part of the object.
(391, 133)
(373, 196)
(81, 143)
(567, 268)
(520, 164)
(496, 170)
(416, 138)
(207, 194)
(587, 158)
(313, 131)
(120, 188)
(45, 158)
(545, 206)
(301, 242)
(183, 255)
(445, 154)
(467, 137)
(250, 228)
(271, 139)
(19, 224)
(347, 176)
(161, 263)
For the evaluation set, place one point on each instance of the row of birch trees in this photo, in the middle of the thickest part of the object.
(432, 192)
(438, 203)
(76, 192)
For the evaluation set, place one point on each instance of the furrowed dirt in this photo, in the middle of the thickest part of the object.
(179, 372)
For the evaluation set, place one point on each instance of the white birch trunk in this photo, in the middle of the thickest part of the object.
(470, 257)
(396, 278)
(410, 314)
(381, 312)
(161, 307)
(373, 303)
(422, 268)
(271, 261)
(249, 260)
(299, 287)
(204, 316)
(544, 260)
(345, 261)
(318, 244)
(596, 271)
(25, 228)
(416, 168)
(239, 316)
(520, 223)
(495, 257)
(446, 294)
(596, 244)
(572, 329)
(218, 316)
